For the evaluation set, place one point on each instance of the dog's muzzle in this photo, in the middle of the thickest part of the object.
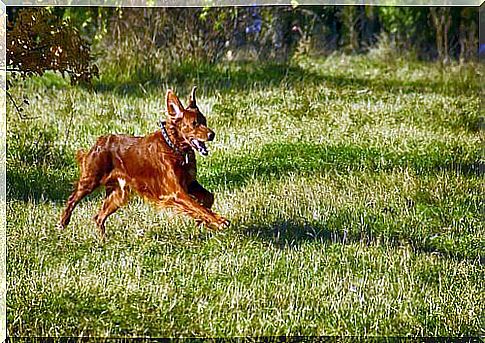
(200, 147)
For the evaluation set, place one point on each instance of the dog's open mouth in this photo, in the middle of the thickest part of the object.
(200, 147)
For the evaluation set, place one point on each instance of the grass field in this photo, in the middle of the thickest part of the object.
(352, 185)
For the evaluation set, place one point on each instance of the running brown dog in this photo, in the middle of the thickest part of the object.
(161, 167)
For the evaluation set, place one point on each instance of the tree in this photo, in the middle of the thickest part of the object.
(38, 41)
(441, 19)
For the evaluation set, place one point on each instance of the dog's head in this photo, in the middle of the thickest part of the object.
(189, 122)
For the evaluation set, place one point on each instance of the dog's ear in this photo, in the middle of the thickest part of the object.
(192, 101)
(174, 106)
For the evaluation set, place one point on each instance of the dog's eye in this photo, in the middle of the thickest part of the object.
(194, 123)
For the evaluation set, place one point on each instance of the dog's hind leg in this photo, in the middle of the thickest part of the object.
(94, 165)
(84, 187)
(116, 196)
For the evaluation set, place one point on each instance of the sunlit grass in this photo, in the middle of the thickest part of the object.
(352, 186)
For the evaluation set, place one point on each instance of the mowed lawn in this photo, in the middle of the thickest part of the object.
(353, 187)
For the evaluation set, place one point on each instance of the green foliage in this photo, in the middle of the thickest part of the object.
(399, 20)
(352, 186)
(92, 22)
(142, 42)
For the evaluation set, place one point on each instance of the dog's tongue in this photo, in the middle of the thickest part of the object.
(201, 148)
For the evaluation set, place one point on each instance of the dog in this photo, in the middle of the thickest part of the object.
(160, 167)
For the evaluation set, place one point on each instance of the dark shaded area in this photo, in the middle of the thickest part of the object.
(359, 226)
(38, 185)
(37, 169)
(52, 177)
(41, 184)
(242, 76)
(278, 159)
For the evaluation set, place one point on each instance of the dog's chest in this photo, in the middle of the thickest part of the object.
(191, 169)
(187, 167)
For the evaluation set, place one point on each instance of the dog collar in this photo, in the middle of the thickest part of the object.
(170, 143)
(166, 137)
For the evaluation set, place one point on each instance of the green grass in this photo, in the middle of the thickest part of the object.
(353, 187)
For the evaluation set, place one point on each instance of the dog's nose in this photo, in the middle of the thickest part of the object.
(211, 135)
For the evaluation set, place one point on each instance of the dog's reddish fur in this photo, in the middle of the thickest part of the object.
(150, 167)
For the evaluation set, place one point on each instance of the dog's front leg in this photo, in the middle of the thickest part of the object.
(202, 195)
(183, 202)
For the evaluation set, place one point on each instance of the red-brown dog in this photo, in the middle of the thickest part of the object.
(160, 167)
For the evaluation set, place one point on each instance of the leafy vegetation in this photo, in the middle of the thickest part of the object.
(39, 41)
(352, 185)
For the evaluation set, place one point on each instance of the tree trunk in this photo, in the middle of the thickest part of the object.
(441, 20)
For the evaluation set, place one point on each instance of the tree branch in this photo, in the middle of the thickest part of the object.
(18, 108)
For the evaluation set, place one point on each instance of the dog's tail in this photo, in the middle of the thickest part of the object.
(80, 155)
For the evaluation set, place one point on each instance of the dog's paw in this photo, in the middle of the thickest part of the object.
(219, 223)
(62, 223)
(223, 223)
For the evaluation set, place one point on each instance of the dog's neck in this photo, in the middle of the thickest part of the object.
(173, 138)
